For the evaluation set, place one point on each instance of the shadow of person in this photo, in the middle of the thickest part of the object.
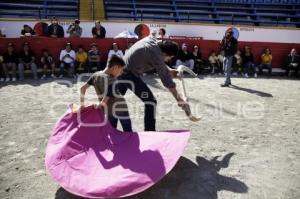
(191, 180)
(251, 91)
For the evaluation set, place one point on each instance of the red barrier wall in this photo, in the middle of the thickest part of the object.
(54, 45)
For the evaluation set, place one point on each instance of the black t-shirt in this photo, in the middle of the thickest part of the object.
(26, 58)
(103, 83)
(99, 33)
(247, 58)
(10, 58)
(184, 56)
(31, 32)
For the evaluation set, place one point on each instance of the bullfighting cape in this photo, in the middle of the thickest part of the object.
(89, 158)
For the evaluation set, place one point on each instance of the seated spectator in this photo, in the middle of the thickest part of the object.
(26, 62)
(214, 63)
(237, 63)
(162, 34)
(248, 62)
(67, 60)
(129, 46)
(81, 59)
(292, 63)
(94, 58)
(47, 62)
(115, 51)
(197, 57)
(98, 31)
(27, 31)
(185, 58)
(221, 60)
(266, 61)
(55, 30)
(74, 29)
(10, 60)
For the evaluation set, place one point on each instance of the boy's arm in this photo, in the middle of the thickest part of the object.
(82, 93)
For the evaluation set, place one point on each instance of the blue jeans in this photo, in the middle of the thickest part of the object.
(227, 63)
(263, 66)
(142, 91)
(33, 68)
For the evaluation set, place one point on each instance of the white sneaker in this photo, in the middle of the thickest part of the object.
(2, 79)
(53, 76)
(255, 75)
(246, 75)
(14, 79)
(7, 79)
(43, 77)
(61, 76)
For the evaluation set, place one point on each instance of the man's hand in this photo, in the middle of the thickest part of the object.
(173, 72)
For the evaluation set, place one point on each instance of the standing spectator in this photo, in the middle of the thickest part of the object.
(67, 60)
(74, 29)
(94, 58)
(292, 63)
(197, 57)
(115, 51)
(229, 44)
(248, 62)
(27, 61)
(162, 34)
(27, 31)
(214, 62)
(47, 62)
(81, 59)
(10, 60)
(55, 30)
(185, 57)
(98, 31)
(266, 61)
(237, 63)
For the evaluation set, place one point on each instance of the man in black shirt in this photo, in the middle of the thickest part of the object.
(55, 30)
(26, 61)
(229, 45)
(27, 31)
(292, 62)
(98, 31)
(10, 60)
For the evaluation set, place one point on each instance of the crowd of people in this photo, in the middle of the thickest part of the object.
(71, 62)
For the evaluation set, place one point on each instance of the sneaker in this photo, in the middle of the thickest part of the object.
(7, 79)
(246, 75)
(14, 79)
(224, 85)
(255, 75)
(43, 77)
(61, 76)
(53, 76)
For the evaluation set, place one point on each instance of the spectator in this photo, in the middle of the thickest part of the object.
(74, 29)
(67, 60)
(153, 33)
(237, 63)
(98, 31)
(185, 57)
(214, 62)
(27, 31)
(47, 62)
(94, 58)
(55, 30)
(266, 61)
(115, 51)
(292, 63)
(27, 61)
(248, 62)
(197, 57)
(2, 34)
(81, 59)
(10, 60)
(162, 34)
(128, 46)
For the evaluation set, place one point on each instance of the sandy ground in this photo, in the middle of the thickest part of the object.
(245, 147)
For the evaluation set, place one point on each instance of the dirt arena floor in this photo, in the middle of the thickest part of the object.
(247, 146)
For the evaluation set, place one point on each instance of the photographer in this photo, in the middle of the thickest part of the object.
(74, 29)
(229, 44)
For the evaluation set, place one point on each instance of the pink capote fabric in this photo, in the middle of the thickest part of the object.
(102, 162)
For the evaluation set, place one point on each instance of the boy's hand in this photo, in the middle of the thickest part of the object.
(173, 72)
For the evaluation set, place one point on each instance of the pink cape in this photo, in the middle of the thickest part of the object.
(102, 162)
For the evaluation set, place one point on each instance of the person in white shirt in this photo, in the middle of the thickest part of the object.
(67, 60)
(115, 51)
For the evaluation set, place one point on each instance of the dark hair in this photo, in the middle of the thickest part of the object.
(163, 31)
(44, 50)
(169, 47)
(115, 60)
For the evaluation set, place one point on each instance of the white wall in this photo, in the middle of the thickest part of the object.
(208, 32)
